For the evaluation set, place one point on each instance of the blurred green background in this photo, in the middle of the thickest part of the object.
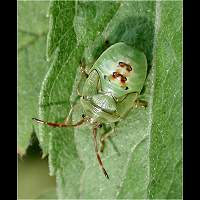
(33, 174)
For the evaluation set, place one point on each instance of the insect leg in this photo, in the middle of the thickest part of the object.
(59, 124)
(83, 69)
(126, 104)
(97, 153)
(84, 75)
(68, 119)
(105, 136)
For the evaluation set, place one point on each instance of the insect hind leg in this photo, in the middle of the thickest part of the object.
(106, 136)
(97, 152)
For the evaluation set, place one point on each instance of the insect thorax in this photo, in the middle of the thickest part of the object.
(101, 108)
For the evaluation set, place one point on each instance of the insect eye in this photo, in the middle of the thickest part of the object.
(105, 77)
(126, 88)
(83, 115)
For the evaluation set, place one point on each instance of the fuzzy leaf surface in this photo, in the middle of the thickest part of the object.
(32, 65)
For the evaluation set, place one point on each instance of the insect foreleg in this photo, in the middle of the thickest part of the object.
(68, 119)
(84, 75)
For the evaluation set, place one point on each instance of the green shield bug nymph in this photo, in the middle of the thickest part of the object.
(111, 89)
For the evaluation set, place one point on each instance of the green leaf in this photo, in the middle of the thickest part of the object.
(166, 134)
(32, 66)
(134, 158)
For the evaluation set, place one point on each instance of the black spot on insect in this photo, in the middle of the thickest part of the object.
(100, 125)
(126, 88)
(83, 115)
(107, 42)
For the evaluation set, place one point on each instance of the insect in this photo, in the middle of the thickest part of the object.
(111, 88)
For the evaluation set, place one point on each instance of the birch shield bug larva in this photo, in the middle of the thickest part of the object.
(111, 88)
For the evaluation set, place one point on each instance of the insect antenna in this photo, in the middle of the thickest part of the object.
(59, 124)
(97, 152)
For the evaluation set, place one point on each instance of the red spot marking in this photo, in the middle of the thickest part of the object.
(122, 79)
(128, 67)
(122, 64)
(115, 75)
